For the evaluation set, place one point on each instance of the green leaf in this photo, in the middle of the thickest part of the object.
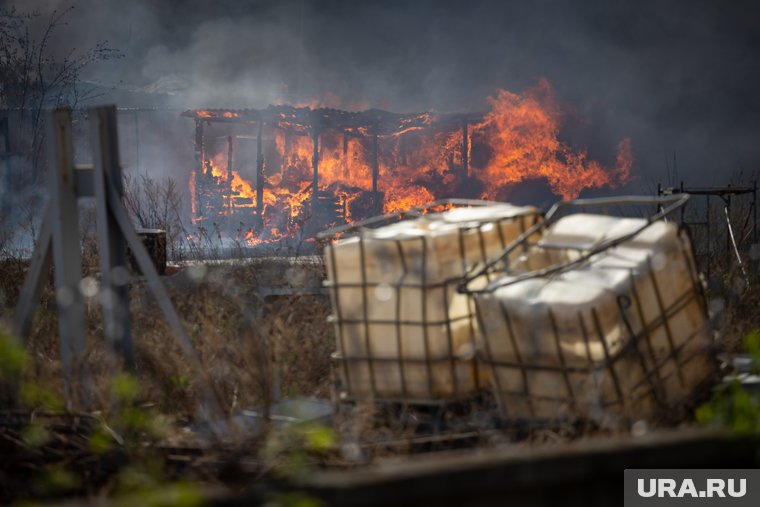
(125, 388)
(12, 356)
(318, 438)
(36, 396)
(100, 441)
(752, 344)
(35, 435)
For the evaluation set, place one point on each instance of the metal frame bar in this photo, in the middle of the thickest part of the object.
(58, 243)
(470, 234)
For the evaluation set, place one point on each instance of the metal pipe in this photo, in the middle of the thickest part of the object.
(708, 239)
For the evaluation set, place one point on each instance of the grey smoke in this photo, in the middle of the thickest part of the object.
(679, 78)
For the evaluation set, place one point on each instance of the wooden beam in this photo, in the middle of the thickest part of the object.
(230, 167)
(198, 175)
(315, 167)
(375, 173)
(260, 173)
(345, 156)
(465, 149)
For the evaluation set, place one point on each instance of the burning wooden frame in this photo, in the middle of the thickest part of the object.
(215, 187)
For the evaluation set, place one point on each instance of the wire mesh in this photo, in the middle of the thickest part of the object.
(404, 332)
(630, 342)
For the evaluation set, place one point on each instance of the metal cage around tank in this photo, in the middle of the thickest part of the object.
(446, 377)
(676, 352)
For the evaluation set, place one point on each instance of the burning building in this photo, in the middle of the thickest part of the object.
(265, 175)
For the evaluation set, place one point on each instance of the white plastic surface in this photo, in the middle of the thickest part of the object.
(404, 276)
(577, 320)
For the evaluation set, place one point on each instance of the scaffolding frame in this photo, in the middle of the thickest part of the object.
(726, 194)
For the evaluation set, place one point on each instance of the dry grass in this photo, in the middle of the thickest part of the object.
(243, 342)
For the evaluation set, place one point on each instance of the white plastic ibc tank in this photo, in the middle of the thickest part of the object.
(403, 331)
(623, 334)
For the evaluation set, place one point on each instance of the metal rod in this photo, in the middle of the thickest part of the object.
(112, 245)
(36, 277)
(609, 363)
(67, 257)
(727, 212)
(561, 357)
(707, 238)
(665, 320)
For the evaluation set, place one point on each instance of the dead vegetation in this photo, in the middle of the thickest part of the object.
(255, 348)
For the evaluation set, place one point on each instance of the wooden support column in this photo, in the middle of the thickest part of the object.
(67, 257)
(375, 173)
(465, 149)
(230, 167)
(345, 156)
(285, 151)
(315, 166)
(198, 176)
(260, 172)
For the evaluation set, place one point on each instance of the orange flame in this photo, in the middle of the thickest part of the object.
(523, 133)
(518, 139)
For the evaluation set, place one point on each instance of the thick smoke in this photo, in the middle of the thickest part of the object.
(679, 78)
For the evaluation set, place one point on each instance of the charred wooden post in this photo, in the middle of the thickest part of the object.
(375, 172)
(260, 172)
(200, 162)
(465, 150)
(230, 157)
(345, 155)
(315, 167)
(286, 149)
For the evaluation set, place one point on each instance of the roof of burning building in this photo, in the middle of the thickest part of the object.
(302, 119)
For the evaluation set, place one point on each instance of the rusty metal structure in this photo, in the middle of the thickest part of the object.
(706, 222)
